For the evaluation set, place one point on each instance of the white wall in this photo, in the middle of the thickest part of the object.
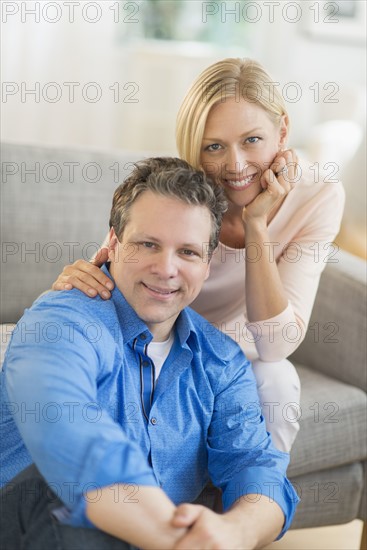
(300, 52)
(86, 52)
(61, 52)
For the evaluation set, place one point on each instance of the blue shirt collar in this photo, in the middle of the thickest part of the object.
(132, 326)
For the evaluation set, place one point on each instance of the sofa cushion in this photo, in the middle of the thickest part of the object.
(329, 497)
(332, 424)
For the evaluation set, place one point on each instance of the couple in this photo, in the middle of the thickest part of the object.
(240, 142)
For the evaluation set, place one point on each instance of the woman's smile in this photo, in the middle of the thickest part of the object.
(239, 184)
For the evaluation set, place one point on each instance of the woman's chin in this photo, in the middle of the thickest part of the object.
(243, 198)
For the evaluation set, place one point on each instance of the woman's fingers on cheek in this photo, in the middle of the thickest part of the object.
(284, 171)
(296, 172)
(290, 173)
(270, 181)
(276, 161)
(263, 181)
(288, 155)
(296, 169)
(279, 173)
(278, 165)
(288, 159)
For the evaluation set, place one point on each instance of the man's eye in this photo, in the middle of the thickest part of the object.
(187, 252)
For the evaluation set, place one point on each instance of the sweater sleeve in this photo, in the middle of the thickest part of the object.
(300, 266)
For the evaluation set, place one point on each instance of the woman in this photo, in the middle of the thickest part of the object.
(275, 236)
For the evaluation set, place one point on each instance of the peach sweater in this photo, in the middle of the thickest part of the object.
(300, 241)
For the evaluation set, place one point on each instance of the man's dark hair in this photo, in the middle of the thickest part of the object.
(169, 177)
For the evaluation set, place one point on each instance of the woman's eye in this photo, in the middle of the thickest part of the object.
(253, 139)
(147, 244)
(213, 147)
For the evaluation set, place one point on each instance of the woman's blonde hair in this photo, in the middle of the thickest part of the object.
(228, 78)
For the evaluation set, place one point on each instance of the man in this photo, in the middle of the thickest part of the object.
(127, 407)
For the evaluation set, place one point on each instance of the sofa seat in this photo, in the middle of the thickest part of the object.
(329, 497)
(332, 424)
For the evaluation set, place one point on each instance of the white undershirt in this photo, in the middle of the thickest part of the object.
(158, 352)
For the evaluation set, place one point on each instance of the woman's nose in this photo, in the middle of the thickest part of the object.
(235, 161)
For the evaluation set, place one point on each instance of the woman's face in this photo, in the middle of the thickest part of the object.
(240, 142)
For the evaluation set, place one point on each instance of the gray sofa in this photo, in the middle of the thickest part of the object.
(55, 207)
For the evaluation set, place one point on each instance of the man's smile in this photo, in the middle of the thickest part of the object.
(159, 292)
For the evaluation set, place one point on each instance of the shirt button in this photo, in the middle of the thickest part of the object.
(146, 363)
(153, 421)
(143, 336)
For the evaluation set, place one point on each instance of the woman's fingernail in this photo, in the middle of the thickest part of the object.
(105, 294)
(91, 292)
(109, 285)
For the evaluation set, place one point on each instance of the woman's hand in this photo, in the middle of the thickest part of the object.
(86, 276)
(276, 182)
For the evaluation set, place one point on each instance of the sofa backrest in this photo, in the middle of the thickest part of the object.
(55, 206)
(336, 334)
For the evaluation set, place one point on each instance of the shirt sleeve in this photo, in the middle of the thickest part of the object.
(300, 267)
(51, 377)
(241, 457)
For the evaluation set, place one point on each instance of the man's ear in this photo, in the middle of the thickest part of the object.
(112, 245)
(283, 132)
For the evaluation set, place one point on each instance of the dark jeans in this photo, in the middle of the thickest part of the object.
(27, 523)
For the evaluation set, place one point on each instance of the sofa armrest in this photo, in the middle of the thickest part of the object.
(335, 342)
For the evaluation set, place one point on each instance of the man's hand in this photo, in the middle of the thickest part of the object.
(210, 531)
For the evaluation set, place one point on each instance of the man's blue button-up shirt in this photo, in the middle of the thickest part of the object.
(72, 403)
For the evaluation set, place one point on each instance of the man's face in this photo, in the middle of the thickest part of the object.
(161, 263)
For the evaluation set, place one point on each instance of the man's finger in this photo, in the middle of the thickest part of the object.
(186, 514)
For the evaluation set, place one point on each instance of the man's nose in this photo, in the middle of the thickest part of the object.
(165, 264)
